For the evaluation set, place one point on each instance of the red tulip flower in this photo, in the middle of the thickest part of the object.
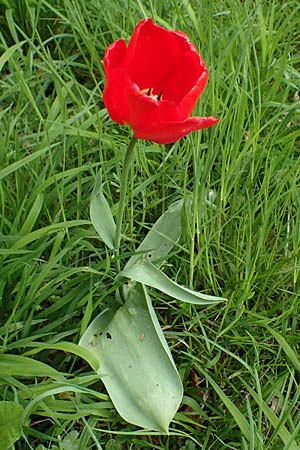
(154, 83)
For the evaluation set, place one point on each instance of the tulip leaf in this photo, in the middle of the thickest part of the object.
(136, 365)
(147, 273)
(17, 365)
(10, 424)
(162, 237)
(101, 215)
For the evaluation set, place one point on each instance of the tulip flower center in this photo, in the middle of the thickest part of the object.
(150, 93)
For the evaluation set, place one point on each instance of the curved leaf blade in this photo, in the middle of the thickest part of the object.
(10, 424)
(9, 52)
(101, 215)
(147, 273)
(162, 237)
(15, 365)
(240, 419)
(136, 365)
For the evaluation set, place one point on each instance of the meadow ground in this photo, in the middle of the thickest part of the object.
(239, 362)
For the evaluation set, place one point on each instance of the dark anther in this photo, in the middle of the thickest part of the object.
(108, 335)
(159, 95)
(149, 91)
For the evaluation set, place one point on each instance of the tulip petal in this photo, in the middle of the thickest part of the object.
(152, 54)
(135, 108)
(115, 96)
(183, 78)
(114, 57)
(168, 132)
(188, 103)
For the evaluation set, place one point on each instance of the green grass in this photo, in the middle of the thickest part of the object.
(239, 362)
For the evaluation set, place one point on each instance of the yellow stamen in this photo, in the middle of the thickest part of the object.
(150, 93)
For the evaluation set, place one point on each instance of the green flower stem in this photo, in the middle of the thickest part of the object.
(123, 191)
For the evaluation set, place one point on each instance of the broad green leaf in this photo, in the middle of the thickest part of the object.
(33, 215)
(10, 424)
(9, 52)
(71, 441)
(112, 444)
(145, 272)
(67, 347)
(26, 160)
(15, 366)
(239, 418)
(50, 229)
(290, 353)
(33, 405)
(277, 422)
(101, 215)
(162, 237)
(136, 365)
